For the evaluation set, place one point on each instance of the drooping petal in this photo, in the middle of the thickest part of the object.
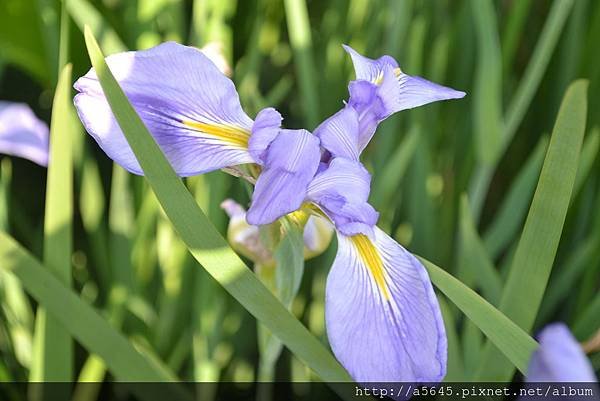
(291, 162)
(22, 134)
(383, 319)
(559, 358)
(191, 109)
(265, 129)
(339, 134)
(342, 191)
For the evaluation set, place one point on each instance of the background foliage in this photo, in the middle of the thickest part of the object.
(453, 181)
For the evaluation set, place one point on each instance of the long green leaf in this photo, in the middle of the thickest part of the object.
(82, 321)
(204, 242)
(537, 247)
(488, 83)
(507, 336)
(296, 13)
(53, 352)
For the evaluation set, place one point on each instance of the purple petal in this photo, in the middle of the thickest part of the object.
(265, 129)
(383, 319)
(191, 109)
(559, 358)
(22, 134)
(366, 68)
(339, 134)
(291, 162)
(400, 91)
(364, 98)
(342, 191)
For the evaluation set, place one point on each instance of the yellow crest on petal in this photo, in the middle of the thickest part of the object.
(235, 135)
(371, 258)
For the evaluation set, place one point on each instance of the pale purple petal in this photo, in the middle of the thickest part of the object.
(341, 191)
(400, 91)
(559, 358)
(366, 68)
(317, 234)
(191, 109)
(365, 99)
(22, 134)
(291, 162)
(339, 134)
(383, 319)
(265, 129)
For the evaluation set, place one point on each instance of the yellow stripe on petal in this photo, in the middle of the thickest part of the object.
(235, 135)
(371, 258)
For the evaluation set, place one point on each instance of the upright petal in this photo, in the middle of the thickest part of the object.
(22, 134)
(291, 162)
(369, 69)
(341, 191)
(383, 319)
(559, 358)
(265, 129)
(191, 109)
(317, 236)
(339, 134)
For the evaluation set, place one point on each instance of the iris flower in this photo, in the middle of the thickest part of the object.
(383, 319)
(22, 134)
(559, 358)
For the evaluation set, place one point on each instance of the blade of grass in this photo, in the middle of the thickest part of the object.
(298, 25)
(53, 352)
(204, 242)
(84, 13)
(513, 341)
(475, 257)
(487, 116)
(523, 96)
(96, 335)
(511, 213)
(537, 247)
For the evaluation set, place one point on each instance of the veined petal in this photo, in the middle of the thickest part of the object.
(400, 91)
(291, 162)
(339, 134)
(559, 358)
(369, 69)
(383, 319)
(191, 109)
(264, 130)
(342, 191)
(22, 134)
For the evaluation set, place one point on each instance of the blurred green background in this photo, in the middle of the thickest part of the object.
(453, 181)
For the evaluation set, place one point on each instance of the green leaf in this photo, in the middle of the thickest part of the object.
(95, 333)
(386, 183)
(296, 13)
(289, 257)
(84, 13)
(537, 247)
(487, 116)
(474, 257)
(204, 242)
(53, 347)
(511, 213)
(507, 336)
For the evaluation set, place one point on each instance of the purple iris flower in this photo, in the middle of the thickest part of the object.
(383, 319)
(22, 134)
(382, 89)
(193, 112)
(559, 358)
